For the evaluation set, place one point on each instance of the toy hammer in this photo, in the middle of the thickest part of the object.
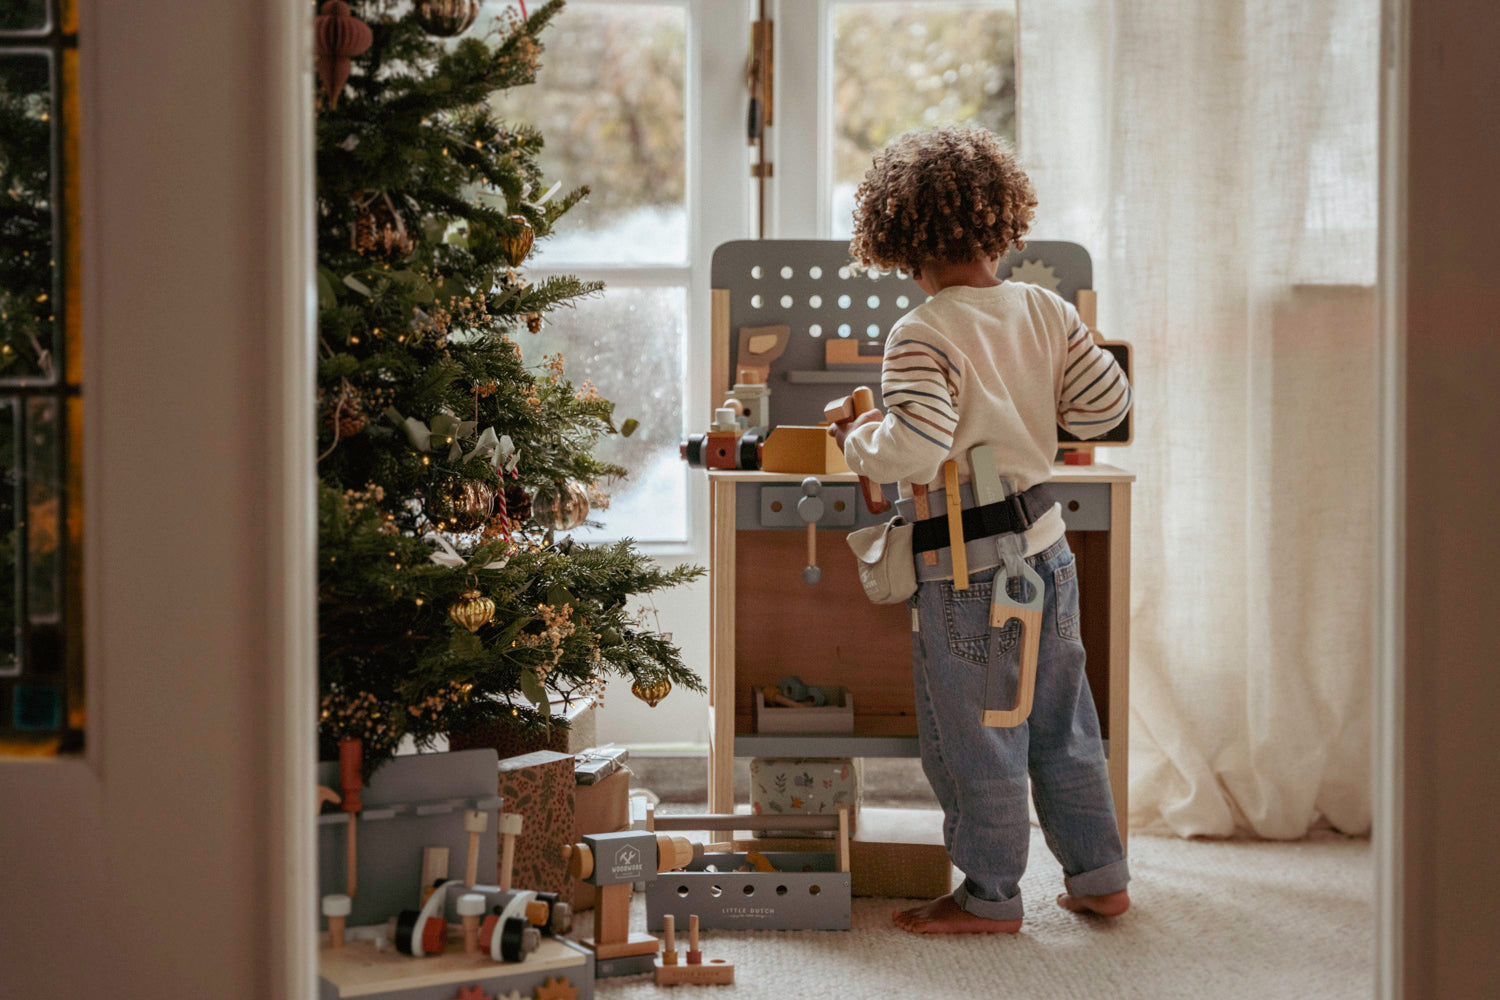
(843, 410)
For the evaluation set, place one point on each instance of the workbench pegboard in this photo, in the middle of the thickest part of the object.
(812, 287)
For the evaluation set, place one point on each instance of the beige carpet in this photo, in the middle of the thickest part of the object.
(1212, 919)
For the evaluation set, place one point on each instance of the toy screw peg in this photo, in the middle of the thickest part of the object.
(336, 908)
(475, 822)
(510, 828)
(695, 954)
(471, 908)
(810, 509)
(669, 946)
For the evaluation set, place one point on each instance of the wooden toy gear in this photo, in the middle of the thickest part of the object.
(1036, 272)
(557, 989)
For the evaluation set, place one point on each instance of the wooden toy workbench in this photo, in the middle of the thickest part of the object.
(766, 623)
(794, 326)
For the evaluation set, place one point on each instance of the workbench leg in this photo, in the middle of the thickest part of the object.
(721, 648)
(1119, 653)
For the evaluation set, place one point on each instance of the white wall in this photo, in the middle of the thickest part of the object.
(682, 717)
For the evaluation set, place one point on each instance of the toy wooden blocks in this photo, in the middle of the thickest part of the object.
(801, 449)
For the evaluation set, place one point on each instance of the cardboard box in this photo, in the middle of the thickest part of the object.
(540, 786)
(603, 807)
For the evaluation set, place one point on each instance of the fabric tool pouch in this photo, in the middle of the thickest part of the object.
(887, 568)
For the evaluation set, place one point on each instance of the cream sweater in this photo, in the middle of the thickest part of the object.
(1002, 366)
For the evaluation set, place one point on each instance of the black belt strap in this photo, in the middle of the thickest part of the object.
(1016, 512)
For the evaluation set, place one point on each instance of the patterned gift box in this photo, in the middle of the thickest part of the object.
(804, 786)
(541, 787)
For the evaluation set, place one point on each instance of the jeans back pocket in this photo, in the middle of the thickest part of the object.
(966, 613)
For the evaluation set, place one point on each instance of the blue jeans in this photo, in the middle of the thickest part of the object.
(980, 772)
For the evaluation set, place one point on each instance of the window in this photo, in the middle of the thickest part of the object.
(872, 69)
(41, 655)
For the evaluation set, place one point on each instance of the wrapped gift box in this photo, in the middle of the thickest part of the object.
(601, 807)
(597, 763)
(540, 786)
(804, 786)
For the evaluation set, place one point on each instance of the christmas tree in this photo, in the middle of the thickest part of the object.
(449, 595)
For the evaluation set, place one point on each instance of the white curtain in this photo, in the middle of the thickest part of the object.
(1218, 159)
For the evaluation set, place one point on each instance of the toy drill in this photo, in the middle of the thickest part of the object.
(727, 445)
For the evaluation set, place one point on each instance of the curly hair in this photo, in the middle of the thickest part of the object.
(945, 194)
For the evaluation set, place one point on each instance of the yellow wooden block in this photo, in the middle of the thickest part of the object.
(810, 451)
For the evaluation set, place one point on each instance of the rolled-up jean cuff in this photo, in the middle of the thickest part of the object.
(990, 909)
(1100, 881)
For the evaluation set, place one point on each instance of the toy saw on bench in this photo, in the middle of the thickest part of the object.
(842, 411)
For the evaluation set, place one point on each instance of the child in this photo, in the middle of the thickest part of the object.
(998, 363)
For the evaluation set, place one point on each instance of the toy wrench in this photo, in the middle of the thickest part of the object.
(1002, 609)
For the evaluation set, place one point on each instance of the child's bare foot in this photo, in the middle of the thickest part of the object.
(945, 916)
(1111, 905)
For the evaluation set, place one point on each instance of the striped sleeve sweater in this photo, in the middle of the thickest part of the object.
(1003, 366)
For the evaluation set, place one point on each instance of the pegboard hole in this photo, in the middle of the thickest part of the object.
(872, 331)
(839, 505)
(749, 889)
(786, 302)
(813, 890)
(873, 302)
(816, 301)
(844, 330)
(902, 302)
(756, 302)
(716, 891)
(844, 301)
(786, 272)
(844, 272)
(781, 890)
(815, 330)
(1073, 505)
(756, 272)
(776, 506)
(815, 272)
(682, 890)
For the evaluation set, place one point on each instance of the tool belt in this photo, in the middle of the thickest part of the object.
(1016, 512)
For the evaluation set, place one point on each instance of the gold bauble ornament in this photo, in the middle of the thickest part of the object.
(472, 610)
(463, 504)
(561, 507)
(518, 244)
(651, 693)
(446, 18)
